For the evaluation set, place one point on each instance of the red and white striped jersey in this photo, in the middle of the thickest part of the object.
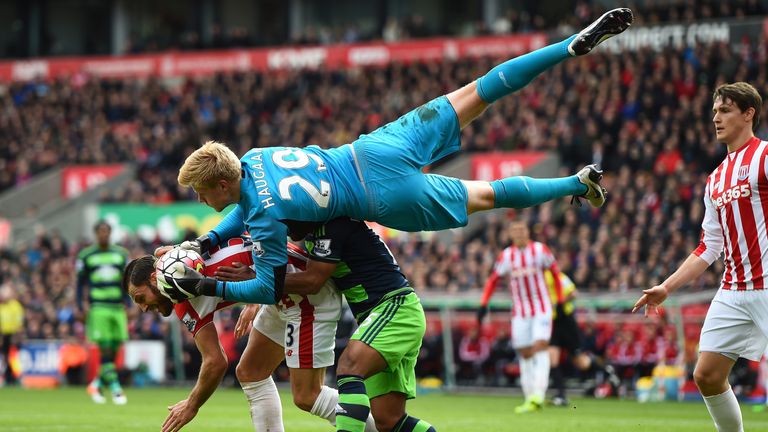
(736, 205)
(197, 312)
(525, 269)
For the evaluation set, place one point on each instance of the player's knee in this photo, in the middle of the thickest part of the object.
(245, 373)
(348, 365)
(304, 400)
(708, 380)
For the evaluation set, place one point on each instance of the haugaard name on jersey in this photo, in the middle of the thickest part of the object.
(258, 178)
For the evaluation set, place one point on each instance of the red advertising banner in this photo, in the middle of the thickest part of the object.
(79, 178)
(492, 166)
(199, 63)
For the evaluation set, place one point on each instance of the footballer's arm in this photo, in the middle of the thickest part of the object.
(212, 370)
(311, 280)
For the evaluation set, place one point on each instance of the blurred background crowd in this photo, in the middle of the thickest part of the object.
(644, 116)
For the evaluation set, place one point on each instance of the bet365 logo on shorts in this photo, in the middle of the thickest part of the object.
(323, 247)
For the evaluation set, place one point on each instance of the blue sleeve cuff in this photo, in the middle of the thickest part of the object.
(220, 289)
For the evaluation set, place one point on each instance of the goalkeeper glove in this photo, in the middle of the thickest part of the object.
(190, 284)
(200, 245)
(481, 313)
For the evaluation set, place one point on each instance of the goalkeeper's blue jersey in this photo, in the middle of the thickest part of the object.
(283, 186)
(303, 184)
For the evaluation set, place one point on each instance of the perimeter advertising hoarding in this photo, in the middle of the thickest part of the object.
(166, 223)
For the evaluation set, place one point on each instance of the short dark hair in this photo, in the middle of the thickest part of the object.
(100, 223)
(744, 95)
(137, 272)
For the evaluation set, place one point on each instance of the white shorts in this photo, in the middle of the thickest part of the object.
(736, 324)
(526, 331)
(304, 325)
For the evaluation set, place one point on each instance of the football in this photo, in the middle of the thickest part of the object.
(172, 263)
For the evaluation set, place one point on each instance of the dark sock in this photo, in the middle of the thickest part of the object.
(354, 406)
(412, 424)
(558, 381)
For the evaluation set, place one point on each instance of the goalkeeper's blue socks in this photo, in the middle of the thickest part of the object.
(521, 192)
(516, 73)
(412, 424)
(354, 406)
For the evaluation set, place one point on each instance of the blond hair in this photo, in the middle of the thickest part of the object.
(205, 166)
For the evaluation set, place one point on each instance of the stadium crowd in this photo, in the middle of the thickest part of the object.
(644, 116)
(524, 17)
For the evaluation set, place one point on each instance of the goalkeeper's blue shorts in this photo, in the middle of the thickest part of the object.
(391, 160)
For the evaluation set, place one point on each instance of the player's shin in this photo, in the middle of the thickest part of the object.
(264, 401)
(558, 380)
(354, 407)
(325, 407)
(412, 424)
(724, 409)
(522, 192)
(516, 73)
(541, 363)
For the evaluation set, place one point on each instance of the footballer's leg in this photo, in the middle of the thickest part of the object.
(357, 362)
(379, 362)
(261, 357)
(522, 191)
(471, 100)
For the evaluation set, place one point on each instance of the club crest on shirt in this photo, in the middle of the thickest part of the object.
(322, 247)
(257, 249)
(189, 322)
(743, 172)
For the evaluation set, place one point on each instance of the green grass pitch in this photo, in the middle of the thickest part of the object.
(70, 409)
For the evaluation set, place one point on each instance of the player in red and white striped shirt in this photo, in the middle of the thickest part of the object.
(523, 264)
(736, 205)
(300, 329)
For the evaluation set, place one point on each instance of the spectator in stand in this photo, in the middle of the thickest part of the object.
(624, 354)
(502, 357)
(474, 351)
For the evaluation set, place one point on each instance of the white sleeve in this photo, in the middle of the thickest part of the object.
(711, 243)
(502, 264)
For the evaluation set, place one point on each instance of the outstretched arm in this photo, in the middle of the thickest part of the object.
(692, 268)
(211, 372)
(710, 248)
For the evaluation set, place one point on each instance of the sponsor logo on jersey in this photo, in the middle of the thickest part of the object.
(322, 247)
(257, 249)
(743, 172)
(289, 353)
(189, 322)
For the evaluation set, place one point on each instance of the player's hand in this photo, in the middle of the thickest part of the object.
(190, 284)
(245, 320)
(200, 245)
(481, 313)
(180, 414)
(652, 299)
(237, 272)
(162, 250)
